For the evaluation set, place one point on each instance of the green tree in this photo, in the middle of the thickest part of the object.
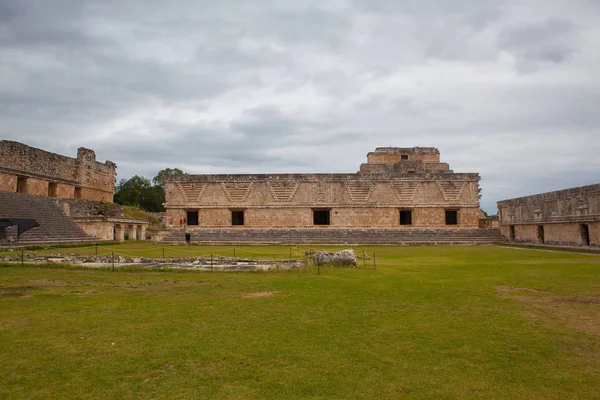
(131, 192)
(139, 192)
(163, 175)
(153, 199)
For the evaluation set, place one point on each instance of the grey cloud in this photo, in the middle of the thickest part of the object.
(280, 86)
(41, 23)
(551, 41)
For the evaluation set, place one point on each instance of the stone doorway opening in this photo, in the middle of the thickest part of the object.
(585, 234)
(237, 217)
(53, 189)
(512, 233)
(540, 234)
(405, 217)
(322, 217)
(21, 184)
(192, 217)
(451, 217)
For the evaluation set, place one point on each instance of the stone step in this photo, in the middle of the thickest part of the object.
(55, 227)
(338, 236)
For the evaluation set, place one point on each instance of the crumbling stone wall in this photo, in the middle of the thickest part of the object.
(372, 199)
(564, 217)
(49, 174)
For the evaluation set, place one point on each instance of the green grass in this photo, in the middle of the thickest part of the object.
(448, 322)
(135, 212)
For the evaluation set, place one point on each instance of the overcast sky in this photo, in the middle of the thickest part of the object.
(509, 89)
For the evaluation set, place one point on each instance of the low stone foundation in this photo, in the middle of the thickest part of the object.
(193, 263)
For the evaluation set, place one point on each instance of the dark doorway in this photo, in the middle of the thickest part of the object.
(540, 234)
(321, 217)
(21, 184)
(237, 218)
(405, 217)
(77, 193)
(52, 189)
(585, 235)
(451, 217)
(192, 217)
(512, 232)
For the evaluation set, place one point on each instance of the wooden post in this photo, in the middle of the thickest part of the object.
(22, 256)
(364, 258)
(96, 252)
(374, 262)
(113, 261)
(234, 252)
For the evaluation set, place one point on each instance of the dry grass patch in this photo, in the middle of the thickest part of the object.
(258, 295)
(579, 314)
(48, 282)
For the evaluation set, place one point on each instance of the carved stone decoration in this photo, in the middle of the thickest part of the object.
(359, 190)
(451, 190)
(237, 191)
(405, 190)
(283, 191)
(322, 192)
(191, 192)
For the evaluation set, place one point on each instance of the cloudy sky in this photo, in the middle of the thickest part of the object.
(509, 89)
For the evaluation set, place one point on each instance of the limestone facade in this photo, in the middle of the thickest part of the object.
(29, 170)
(397, 187)
(113, 228)
(102, 220)
(564, 217)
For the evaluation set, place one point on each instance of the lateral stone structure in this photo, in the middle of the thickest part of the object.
(565, 217)
(63, 194)
(400, 188)
(28, 170)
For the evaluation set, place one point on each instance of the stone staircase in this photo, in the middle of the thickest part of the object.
(55, 227)
(338, 236)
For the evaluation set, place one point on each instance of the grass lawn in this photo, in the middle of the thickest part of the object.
(431, 322)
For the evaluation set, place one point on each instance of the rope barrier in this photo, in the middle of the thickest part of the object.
(202, 252)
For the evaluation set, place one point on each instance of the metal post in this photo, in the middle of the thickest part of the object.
(22, 256)
(234, 252)
(318, 266)
(113, 261)
(374, 262)
(96, 252)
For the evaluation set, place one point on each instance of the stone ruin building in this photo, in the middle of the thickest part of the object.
(70, 197)
(25, 169)
(565, 217)
(398, 191)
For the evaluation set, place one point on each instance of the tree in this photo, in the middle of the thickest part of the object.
(153, 199)
(139, 192)
(163, 175)
(131, 192)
